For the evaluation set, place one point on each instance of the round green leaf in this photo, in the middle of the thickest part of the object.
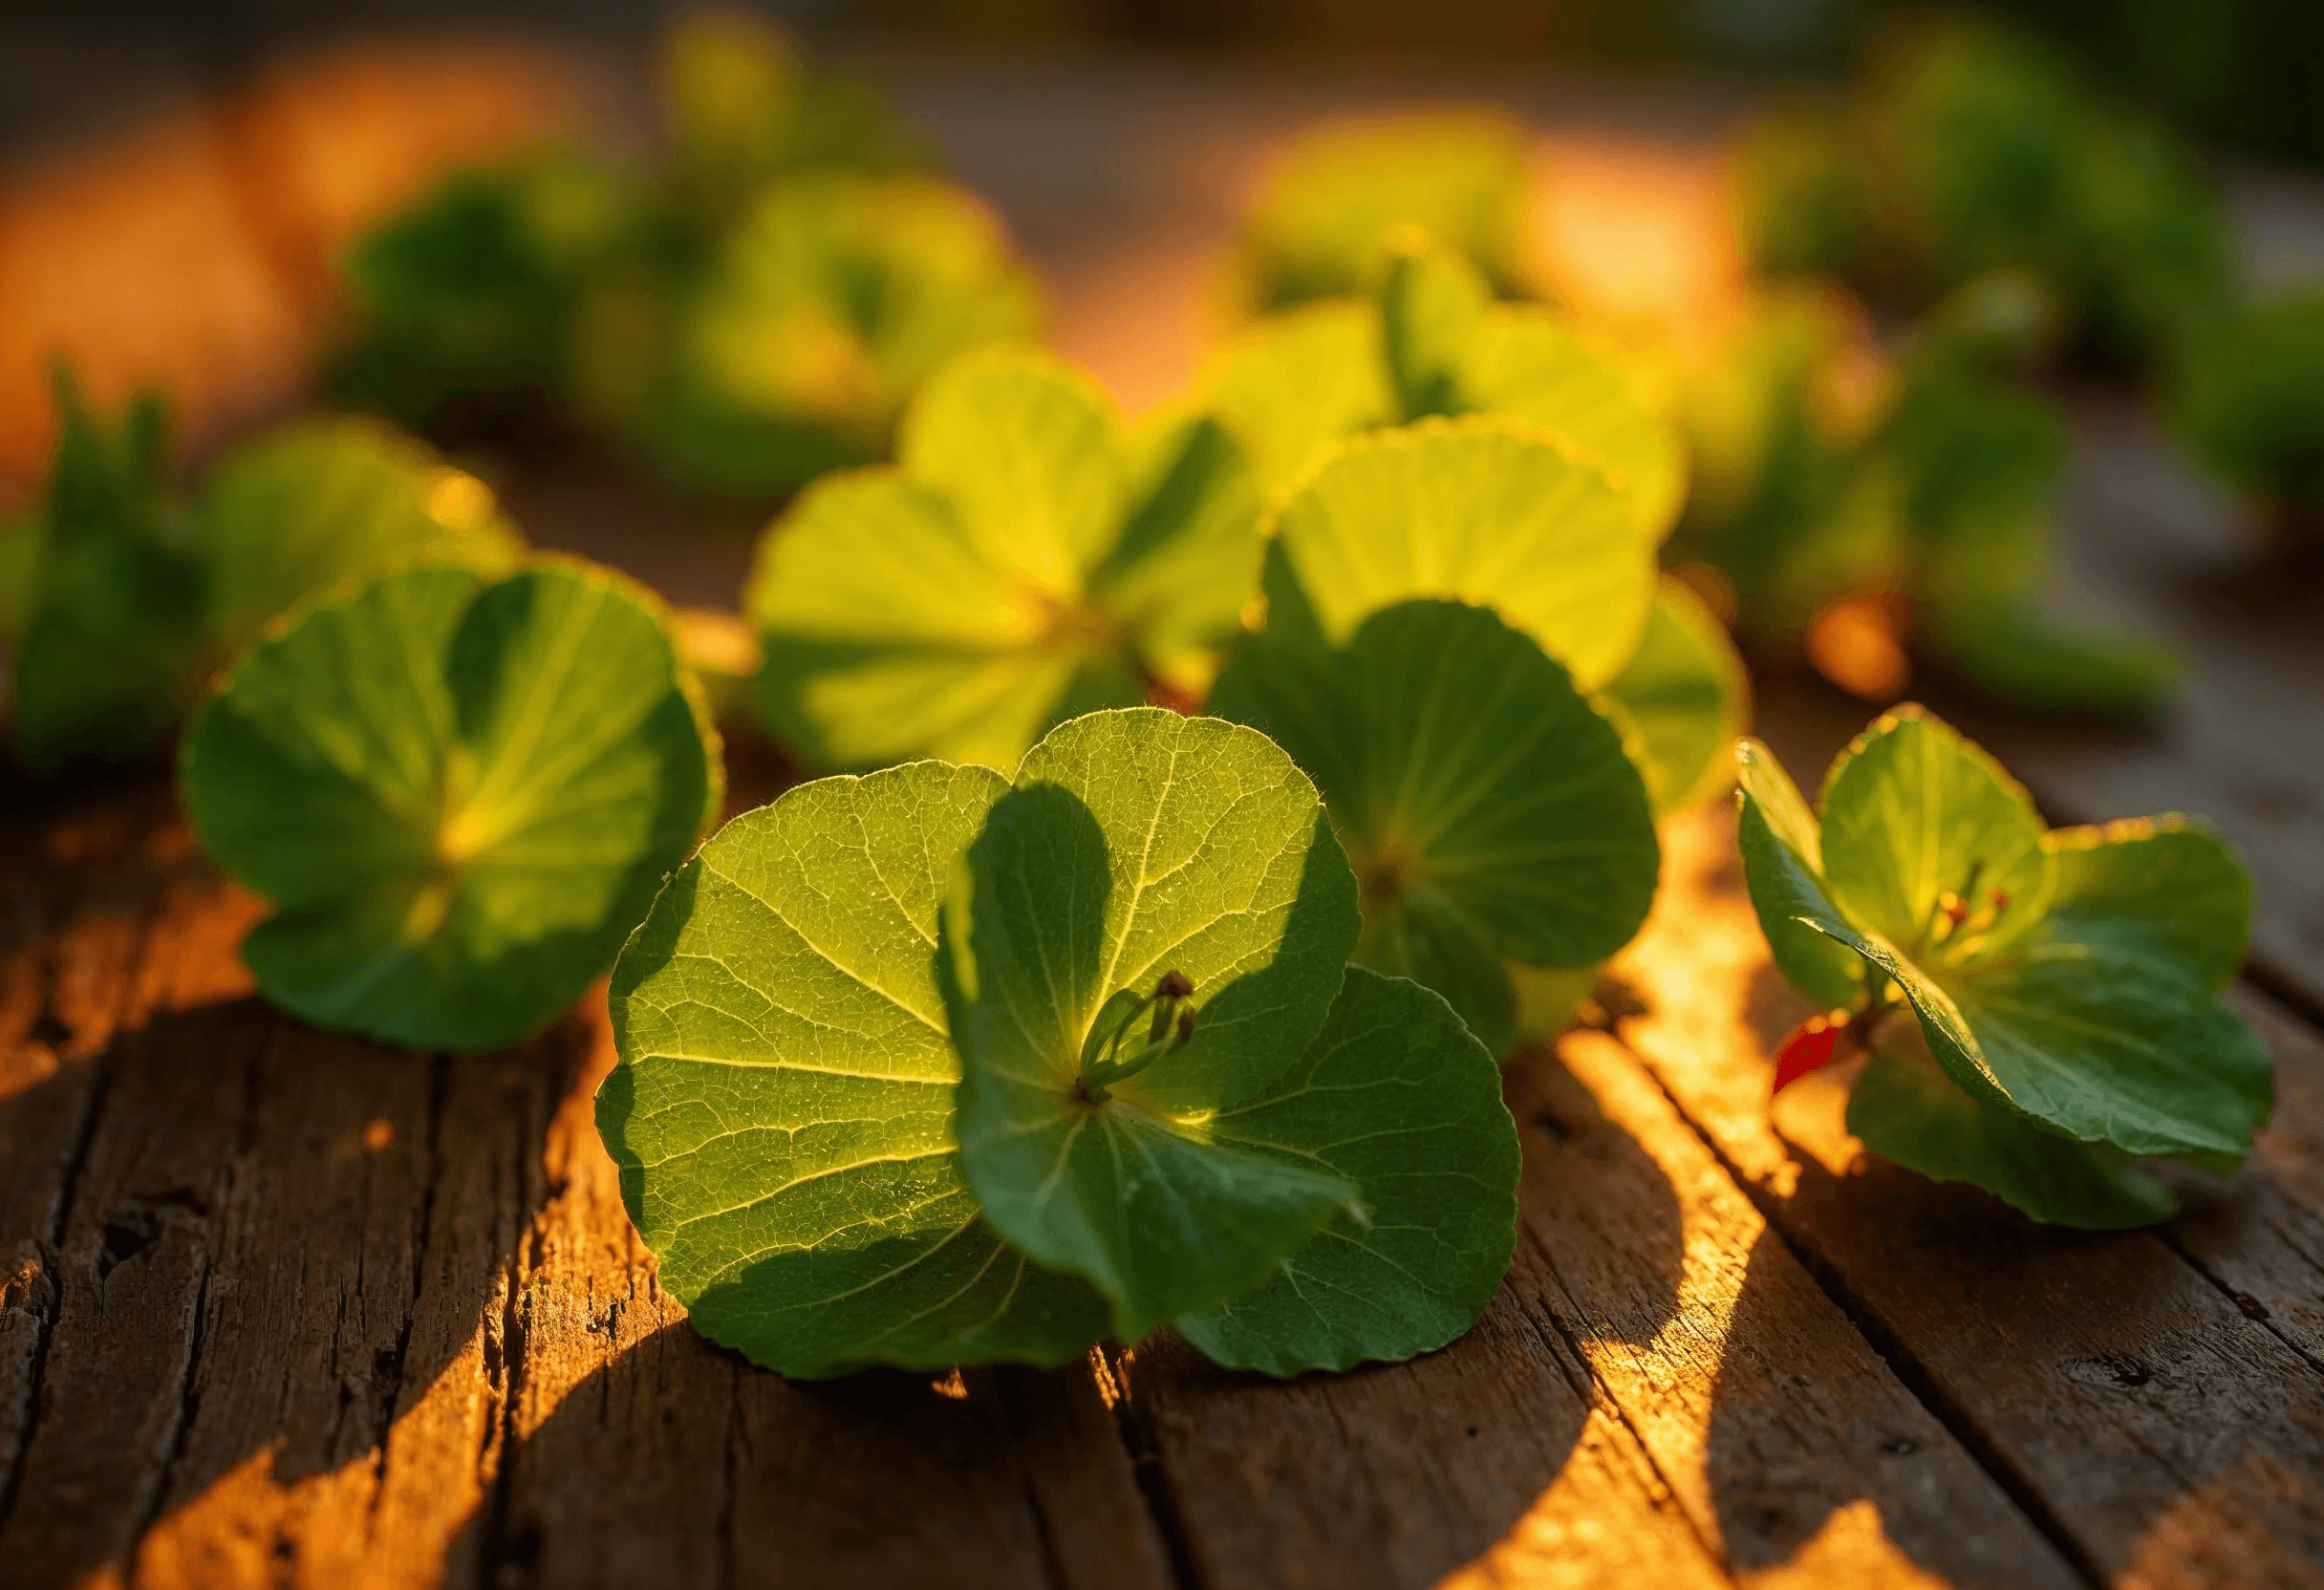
(1685, 698)
(1481, 511)
(1033, 459)
(322, 501)
(1138, 844)
(1397, 1097)
(1913, 815)
(458, 797)
(1022, 564)
(783, 1111)
(1490, 812)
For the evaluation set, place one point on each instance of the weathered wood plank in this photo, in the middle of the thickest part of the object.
(1496, 1459)
(2159, 1433)
(305, 1311)
(2261, 1236)
(733, 1475)
(1791, 1445)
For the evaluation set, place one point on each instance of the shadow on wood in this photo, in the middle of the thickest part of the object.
(269, 1245)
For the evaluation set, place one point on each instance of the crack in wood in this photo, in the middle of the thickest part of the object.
(509, 1550)
(51, 1241)
(1109, 1367)
(391, 1393)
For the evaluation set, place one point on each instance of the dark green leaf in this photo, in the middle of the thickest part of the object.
(1397, 1098)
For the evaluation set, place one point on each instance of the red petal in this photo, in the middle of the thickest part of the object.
(1810, 1046)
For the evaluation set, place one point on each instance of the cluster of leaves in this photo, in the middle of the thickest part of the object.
(129, 596)
(1348, 188)
(459, 791)
(1830, 478)
(1455, 626)
(935, 1067)
(749, 313)
(2063, 983)
(1966, 148)
(2247, 397)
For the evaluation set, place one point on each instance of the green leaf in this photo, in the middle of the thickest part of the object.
(1478, 510)
(782, 1115)
(1911, 1115)
(1347, 189)
(837, 296)
(1429, 342)
(1535, 365)
(1433, 305)
(321, 501)
(469, 293)
(1685, 697)
(744, 108)
(111, 626)
(458, 797)
(1782, 853)
(1489, 811)
(1023, 563)
(1032, 459)
(2094, 1043)
(1397, 1098)
(1182, 578)
(1138, 844)
(2169, 885)
(2095, 1019)
(2108, 1043)
(1292, 383)
(1915, 816)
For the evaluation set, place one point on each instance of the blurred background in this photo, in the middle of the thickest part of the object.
(1836, 237)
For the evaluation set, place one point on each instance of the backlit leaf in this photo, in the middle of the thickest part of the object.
(1685, 697)
(460, 797)
(782, 1112)
(1135, 845)
(1478, 510)
(321, 501)
(1023, 563)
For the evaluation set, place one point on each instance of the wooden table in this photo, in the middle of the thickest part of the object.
(283, 1308)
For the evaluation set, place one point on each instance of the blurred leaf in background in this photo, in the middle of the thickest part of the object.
(1345, 190)
(2247, 397)
(1426, 338)
(1964, 147)
(113, 598)
(467, 296)
(747, 309)
(835, 296)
